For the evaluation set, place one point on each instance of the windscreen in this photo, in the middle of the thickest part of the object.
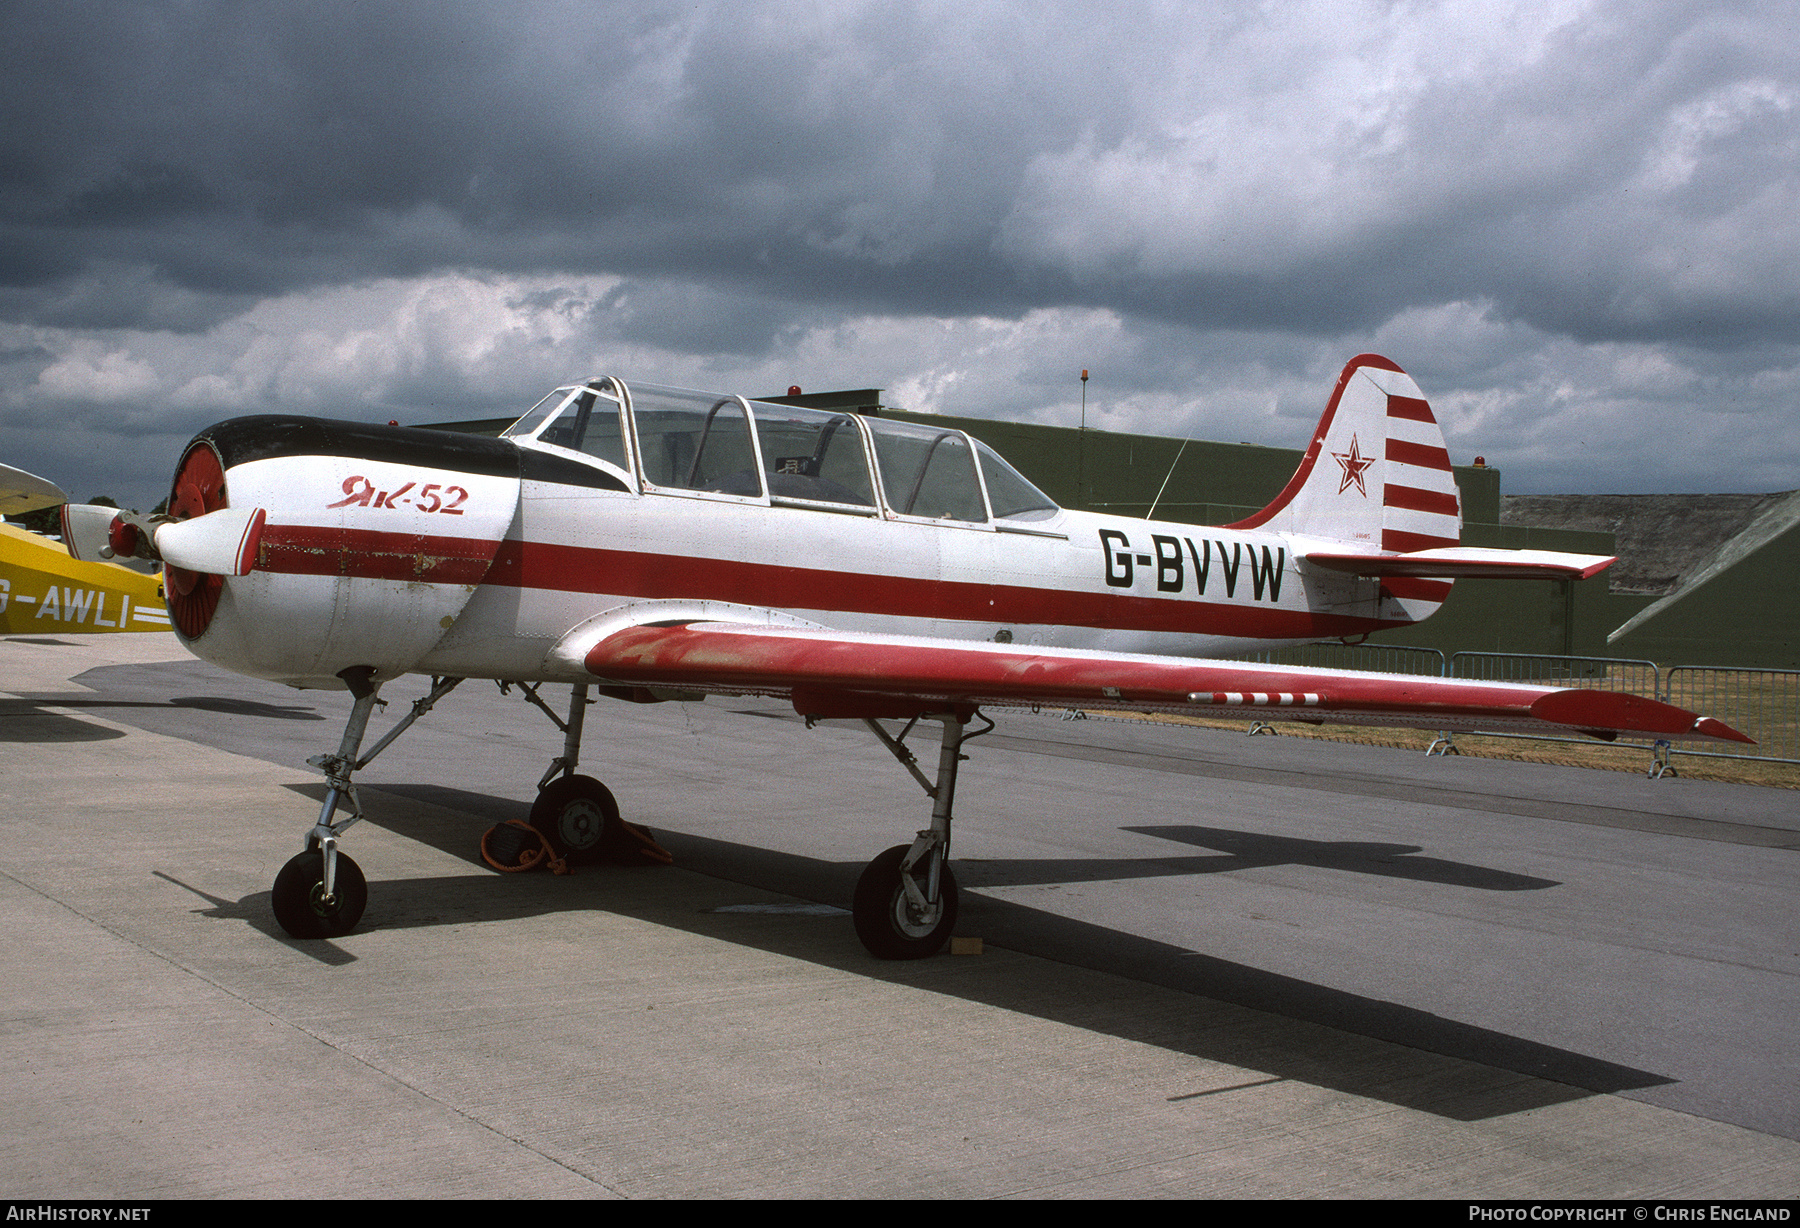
(1009, 491)
(586, 420)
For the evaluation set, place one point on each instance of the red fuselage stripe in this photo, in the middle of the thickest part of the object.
(302, 550)
(629, 573)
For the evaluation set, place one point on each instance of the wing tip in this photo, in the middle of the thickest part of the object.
(1713, 727)
(1627, 713)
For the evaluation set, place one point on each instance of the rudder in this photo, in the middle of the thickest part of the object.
(1376, 472)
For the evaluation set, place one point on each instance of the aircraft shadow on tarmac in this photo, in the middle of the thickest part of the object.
(1552, 1075)
(25, 720)
(1249, 850)
(247, 707)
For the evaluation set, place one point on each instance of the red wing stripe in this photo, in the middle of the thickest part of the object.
(925, 669)
(928, 674)
(1238, 699)
(1416, 500)
(1402, 542)
(1423, 455)
(1412, 588)
(1410, 408)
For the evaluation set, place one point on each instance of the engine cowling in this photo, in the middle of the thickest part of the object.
(375, 539)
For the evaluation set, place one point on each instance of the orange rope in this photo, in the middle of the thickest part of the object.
(529, 858)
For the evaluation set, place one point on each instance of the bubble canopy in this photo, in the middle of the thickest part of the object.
(681, 441)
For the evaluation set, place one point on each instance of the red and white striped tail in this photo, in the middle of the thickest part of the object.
(1376, 473)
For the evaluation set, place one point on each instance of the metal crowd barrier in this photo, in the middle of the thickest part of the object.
(1764, 703)
(1372, 658)
(1632, 677)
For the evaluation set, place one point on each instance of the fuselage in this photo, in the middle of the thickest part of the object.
(424, 552)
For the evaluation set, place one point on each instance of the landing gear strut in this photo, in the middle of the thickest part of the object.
(906, 900)
(576, 814)
(321, 893)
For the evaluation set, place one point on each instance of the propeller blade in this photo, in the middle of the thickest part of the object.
(85, 530)
(221, 543)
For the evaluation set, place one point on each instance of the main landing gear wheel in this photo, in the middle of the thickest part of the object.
(299, 897)
(888, 923)
(578, 816)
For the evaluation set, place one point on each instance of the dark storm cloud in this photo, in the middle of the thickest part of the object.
(1620, 177)
(696, 319)
(237, 149)
(1569, 217)
(930, 158)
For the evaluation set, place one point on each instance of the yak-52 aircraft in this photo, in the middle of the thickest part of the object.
(649, 543)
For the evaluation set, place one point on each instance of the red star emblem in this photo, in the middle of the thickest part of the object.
(1354, 462)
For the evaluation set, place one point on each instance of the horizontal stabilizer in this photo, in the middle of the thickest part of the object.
(1467, 563)
(221, 543)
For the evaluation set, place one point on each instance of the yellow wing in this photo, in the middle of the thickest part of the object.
(45, 592)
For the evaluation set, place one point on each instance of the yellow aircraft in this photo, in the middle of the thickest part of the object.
(46, 591)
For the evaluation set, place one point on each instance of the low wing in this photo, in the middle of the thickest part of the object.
(22, 492)
(846, 674)
(1467, 563)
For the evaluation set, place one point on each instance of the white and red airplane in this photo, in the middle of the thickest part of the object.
(648, 542)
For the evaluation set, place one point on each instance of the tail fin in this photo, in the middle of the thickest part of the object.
(1376, 472)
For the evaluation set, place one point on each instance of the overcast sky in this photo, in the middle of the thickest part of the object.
(1576, 224)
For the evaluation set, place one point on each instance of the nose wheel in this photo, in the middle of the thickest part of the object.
(322, 893)
(303, 907)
